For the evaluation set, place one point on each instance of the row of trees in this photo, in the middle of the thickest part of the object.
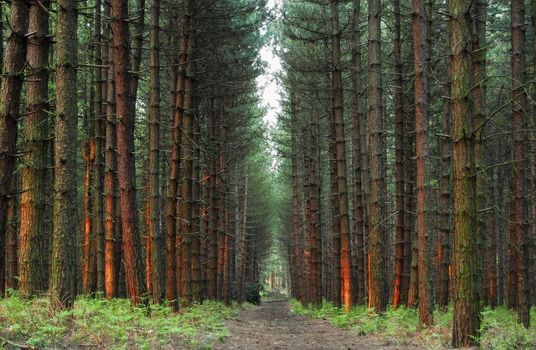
(162, 198)
(409, 148)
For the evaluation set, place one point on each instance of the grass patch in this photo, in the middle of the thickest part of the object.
(499, 327)
(111, 324)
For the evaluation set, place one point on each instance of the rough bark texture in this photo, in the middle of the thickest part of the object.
(399, 159)
(33, 235)
(111, 220)
(420, 55)
(152, 213)
(357, 116)
(62, 278)
(135, 281)
(342, 200)
(377, 295)
(466, 293)
(10, 98)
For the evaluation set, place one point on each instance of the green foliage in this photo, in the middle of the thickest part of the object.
(111, 324)
(499, 329)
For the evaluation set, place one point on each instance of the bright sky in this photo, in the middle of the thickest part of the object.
(267, 82)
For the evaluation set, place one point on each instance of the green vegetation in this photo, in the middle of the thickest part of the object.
(499, 328)
(111, 324)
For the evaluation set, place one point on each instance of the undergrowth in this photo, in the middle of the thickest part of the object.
(110, 324)
(499, 328)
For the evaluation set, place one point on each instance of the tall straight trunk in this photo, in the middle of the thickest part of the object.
(244, 241)
(125, 155)
(532, 239)
(357, 116)
(184, 209)
(519, 106)
(444, 207)
(99, 133)
(153, 192)
(399, 159)
(10, 98)
(491, 247)
(33, 253)
(297, 253)
(479, 94)
(407, 290)
(197, 236)
(177, 84)
(466, 293)
(335, 231)
(338, 120)
(220, 227)
(420, 55)
(377, 230)
(88, 274)
(111, 219)
(213, 205)
(62, 278)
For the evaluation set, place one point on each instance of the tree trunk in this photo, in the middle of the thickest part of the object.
(377, 229)
(421, 55)
(111, 219)
(153, 192)
(62, 278)
(297, 252)
(357, 116)
(519, 106)
(399, 159)
(444, 207)
(338, 120)
(466, 293)
(99, 133)
(10, 99)
(33, 237)
(125, 155)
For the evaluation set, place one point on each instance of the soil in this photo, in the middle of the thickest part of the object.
(273, 326)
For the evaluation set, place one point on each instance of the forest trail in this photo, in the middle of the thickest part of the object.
(272, 326)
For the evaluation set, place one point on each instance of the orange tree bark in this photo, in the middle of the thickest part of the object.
(337, 115)
(125, 154)
(33, 235)
(420, 55)
(466, 293)
(62, 278)
(110, 176)
(10, 96)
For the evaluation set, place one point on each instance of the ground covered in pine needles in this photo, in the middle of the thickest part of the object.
(101, 324)
(499, 328)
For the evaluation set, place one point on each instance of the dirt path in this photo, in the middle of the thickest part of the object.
(272, 326)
